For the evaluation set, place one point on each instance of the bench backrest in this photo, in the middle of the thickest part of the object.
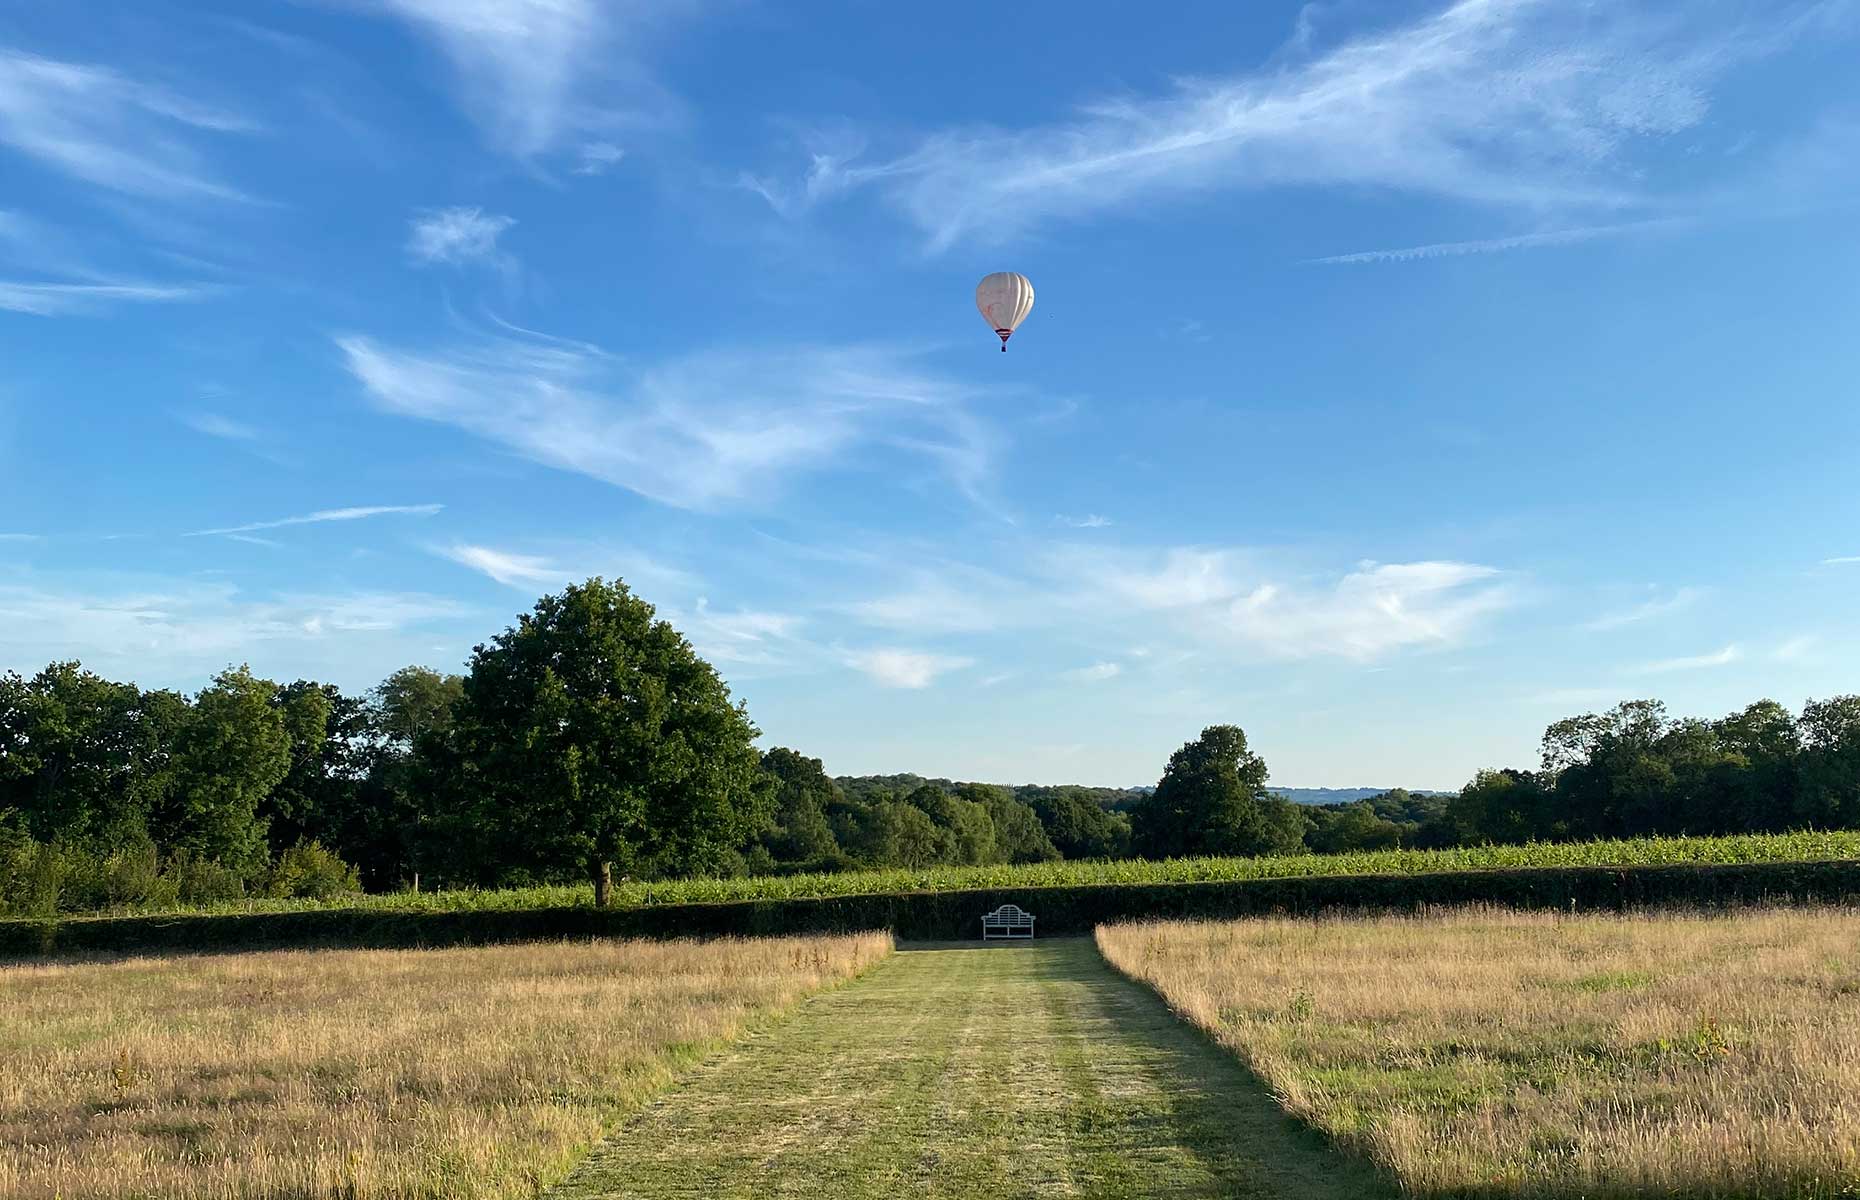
(1009, 912)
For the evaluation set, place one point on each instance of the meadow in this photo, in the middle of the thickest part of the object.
(465, 1073)
(1486, 1052)
(1646, 851)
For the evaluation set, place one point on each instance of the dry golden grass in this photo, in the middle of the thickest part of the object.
(1489, 1052)
(425, 1073)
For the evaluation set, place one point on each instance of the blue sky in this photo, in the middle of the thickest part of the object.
(1401, 379)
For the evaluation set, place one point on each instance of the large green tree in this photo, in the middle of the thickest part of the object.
(1212, 799)
(232, 750)
(1019, 836)
(798, 832)
(1829, 786)
(83, 760)
(593, 736)
(1078, 826)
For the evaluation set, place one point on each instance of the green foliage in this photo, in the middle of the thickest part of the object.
(1078, 827)
(591, 735)
(798, 830)
(1736, 850)
(82, 758)
(233, 749)
(308, 871)
(1213, 800)
(1018, 835)
(1829, 796)
(952, 911)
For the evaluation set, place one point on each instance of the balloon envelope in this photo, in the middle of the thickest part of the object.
(1005, 298)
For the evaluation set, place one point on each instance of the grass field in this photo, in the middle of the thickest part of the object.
(972, 1074)
(1751, 848)
(1494, 1053)
(360, 1074)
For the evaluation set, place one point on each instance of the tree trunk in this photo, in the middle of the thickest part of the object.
(603, 873)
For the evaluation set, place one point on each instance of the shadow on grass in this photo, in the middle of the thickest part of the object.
(1217, 1106)
(1032, 1070)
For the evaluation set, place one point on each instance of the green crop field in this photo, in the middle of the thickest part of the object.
(1752, 848)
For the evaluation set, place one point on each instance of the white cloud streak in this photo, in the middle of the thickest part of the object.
(217, 426)
(597, 158)
(456, 236)
(1693, 662)
(705, 432)
(517, 570)
(530, 572)
(1681, 599)
(99, 126)
(912, 669)
(77, 299)
(328, 514)
(1844, 560)
(1219, 601)
(166, 631)
(1520, 104)
(1526, 241)
(1096, 673)
(535, 74)
(1225, 597)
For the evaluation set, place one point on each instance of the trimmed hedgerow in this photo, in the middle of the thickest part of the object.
(957, 914)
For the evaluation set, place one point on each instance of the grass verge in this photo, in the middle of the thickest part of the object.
(954, 914)
(972, 1073)
(466, 1073)
(1628, 852)
(1489, 1053)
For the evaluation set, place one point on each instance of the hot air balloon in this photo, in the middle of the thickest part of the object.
(1005, 299)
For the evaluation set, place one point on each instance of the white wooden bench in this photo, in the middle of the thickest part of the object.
(1008, 921)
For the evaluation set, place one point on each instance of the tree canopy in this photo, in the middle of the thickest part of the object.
(591, 733)
(591, 737)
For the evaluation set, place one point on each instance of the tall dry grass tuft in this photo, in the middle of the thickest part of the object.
(424, 1073)
(1544, 1055)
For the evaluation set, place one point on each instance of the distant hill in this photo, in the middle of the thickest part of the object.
(1115, 799)
(1341, 795)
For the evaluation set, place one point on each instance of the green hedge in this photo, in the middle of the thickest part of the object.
(955, 915)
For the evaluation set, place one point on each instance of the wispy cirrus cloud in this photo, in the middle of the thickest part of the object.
(519, 570)
(1238, 600)
(73, 299)
(1526, 105)
(529, 571)
(177, 632)
(456, 236)
(1680, 600)
(537, 74)
(598, 158)
(327, 514)
(1230, 603)
(912, 669)
(118, 133)
(1842, 560)
(741, 637)
(1795, 649)
(63, 284)
(703, 432)
(1097, 672)
(217, 425)
(1498, 245)
(1692, 662)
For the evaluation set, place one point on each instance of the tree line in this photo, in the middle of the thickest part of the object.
(590, 740)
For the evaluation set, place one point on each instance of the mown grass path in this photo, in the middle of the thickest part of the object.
(1024, 1070)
